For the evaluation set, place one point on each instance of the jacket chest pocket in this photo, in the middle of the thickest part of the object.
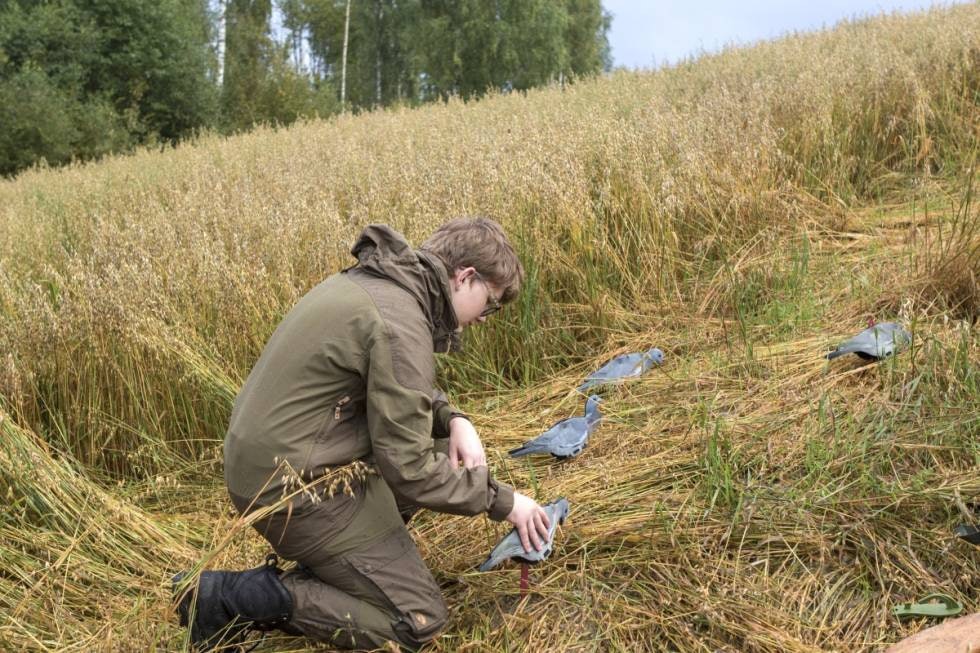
(338, 409)
(343, 411)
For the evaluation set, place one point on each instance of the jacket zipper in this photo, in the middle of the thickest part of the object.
(340, 404)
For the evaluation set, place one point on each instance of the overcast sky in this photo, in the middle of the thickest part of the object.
(649, 33)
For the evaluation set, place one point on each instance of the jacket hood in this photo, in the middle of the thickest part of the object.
(383, 252)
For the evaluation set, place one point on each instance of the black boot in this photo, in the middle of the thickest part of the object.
(231, 603)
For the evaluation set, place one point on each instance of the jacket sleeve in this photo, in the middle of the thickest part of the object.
(400, 409)
(442, 412)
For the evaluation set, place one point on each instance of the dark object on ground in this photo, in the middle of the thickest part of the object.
(969, 533)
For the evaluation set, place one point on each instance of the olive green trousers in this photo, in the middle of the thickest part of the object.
(360, 581)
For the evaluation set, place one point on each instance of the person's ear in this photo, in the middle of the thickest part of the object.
(462, 274)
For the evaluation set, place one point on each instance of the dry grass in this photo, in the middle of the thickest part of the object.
(743, 212)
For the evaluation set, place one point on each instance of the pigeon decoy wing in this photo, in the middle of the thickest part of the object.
(619, 367)
(578, 430)
(544, 442)
(572, 439)
(510, 546)
(623, 367)
(874, 343)
(566, 437)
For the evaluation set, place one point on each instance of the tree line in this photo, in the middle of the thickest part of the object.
(84, 78)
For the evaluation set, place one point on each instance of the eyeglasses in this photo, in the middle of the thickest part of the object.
(493, 304)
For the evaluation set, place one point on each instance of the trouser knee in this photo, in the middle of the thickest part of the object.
(419, 627)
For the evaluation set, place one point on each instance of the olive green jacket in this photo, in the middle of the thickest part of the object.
(349, 375)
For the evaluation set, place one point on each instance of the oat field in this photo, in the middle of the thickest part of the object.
(743, 211)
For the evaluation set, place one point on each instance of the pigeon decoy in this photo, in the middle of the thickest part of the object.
(510, 547)
(876, 342)
(623, 367)
(566, 438)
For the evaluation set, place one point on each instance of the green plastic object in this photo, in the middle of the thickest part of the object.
(933, 605)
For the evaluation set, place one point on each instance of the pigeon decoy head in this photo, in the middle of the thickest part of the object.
(592, 405)
(652, 357)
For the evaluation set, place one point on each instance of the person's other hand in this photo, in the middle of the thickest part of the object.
(464, 444)
(531, 522)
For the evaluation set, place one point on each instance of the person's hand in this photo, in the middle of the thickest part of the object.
(531, 522)
(464, 444)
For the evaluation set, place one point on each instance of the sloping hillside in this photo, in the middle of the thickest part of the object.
(744, 212)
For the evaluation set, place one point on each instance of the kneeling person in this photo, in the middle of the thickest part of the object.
(348, 380)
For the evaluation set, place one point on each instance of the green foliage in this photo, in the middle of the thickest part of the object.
(37, 121)
(45, 123)
(474, 46)
(82, 78)
(534, 50)
(154, 63)
(260, 83)
(248, 55)
(380, 53)
(416, 50)
(47, 49)
(585, 37)
(464, 41)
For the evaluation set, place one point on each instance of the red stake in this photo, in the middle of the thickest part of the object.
(524, 577)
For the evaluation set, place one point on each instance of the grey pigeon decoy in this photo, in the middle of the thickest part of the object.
(623, 367)
(876, 342)
(510, 547)
(566, 438)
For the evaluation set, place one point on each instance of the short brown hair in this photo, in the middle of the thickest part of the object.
(480, 243)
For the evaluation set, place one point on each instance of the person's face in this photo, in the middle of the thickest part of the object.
(474, 298)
